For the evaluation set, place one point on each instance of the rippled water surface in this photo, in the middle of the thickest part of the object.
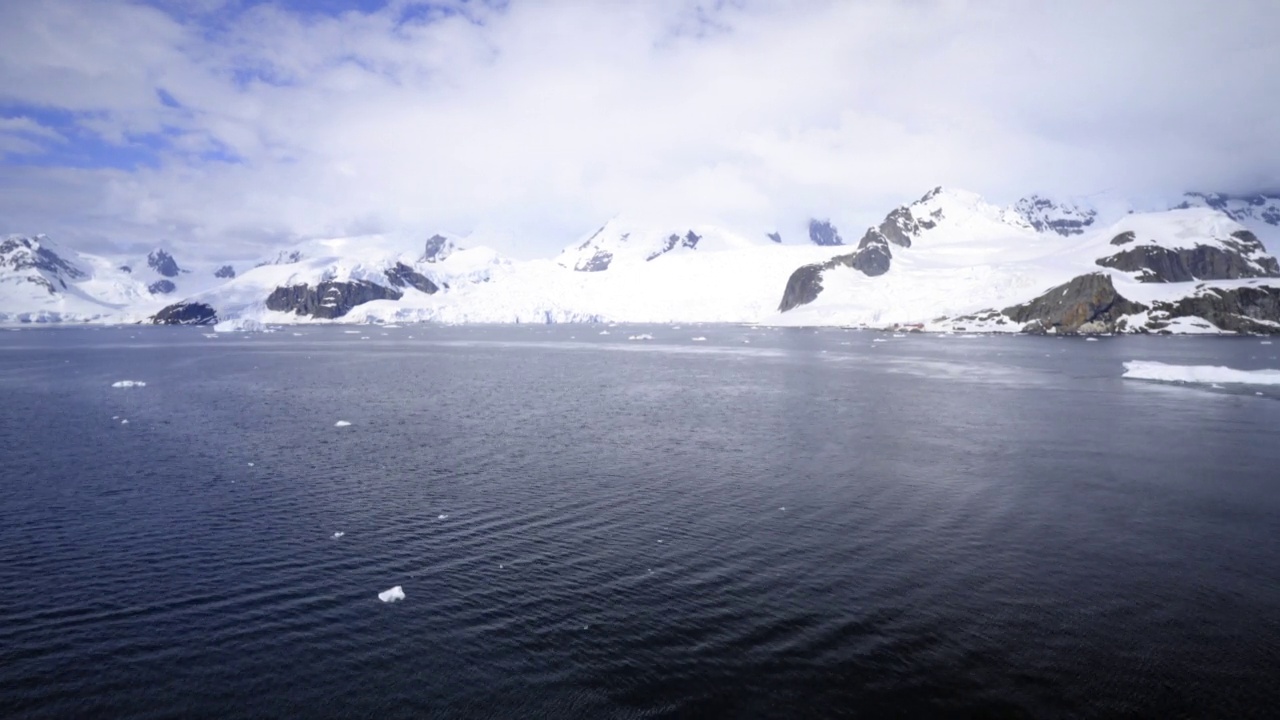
(767, 523)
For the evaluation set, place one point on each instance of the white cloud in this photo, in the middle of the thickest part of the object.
(538, 120)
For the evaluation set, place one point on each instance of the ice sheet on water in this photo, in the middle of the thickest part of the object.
(641, 336)
(128, 383)
(342, 423)
(338, 534)
(391, 594)
(1151, 370)
(699, 339)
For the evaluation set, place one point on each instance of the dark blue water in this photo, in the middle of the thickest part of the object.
(805, 524)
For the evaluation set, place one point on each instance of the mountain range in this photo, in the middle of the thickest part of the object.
(948, 261)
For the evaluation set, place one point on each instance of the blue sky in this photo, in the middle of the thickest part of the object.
(233, 126)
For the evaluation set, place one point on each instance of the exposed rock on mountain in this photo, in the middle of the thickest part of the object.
(1259, 207)
(163, 263)
(823, 233)
(1248, 309)
(225, 272)
(401, 275)
(1240, 257)
(33, 253)
(1045, 215)
(183, 313)
(776, 237)
(161, 287)
(1086, 304)
(329, 299)
(438, 248)
(284, 257)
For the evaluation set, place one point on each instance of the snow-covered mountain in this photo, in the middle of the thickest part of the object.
(1259, 212)
(946, 261)
(953, 261)
(43, 282)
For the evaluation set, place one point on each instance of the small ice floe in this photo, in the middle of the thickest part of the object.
(604, 332)
(1091, 339)
(128, 383)
(879, 340)
(350, 332)
(364, 337)
(342, 423)
(250, 464)
(1266, 342)
(391, 594)
(297, 334)
(338, 534)
(442, 516)
(699, 339)
(124, 422)
(748, 342)
(641, 336)
(391, 327)
(1257, 393)
(784, 509)
(210, 335)
(115, 417)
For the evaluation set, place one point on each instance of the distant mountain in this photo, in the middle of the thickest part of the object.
(947, 261)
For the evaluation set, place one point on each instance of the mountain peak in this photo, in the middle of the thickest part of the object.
(1046, 215)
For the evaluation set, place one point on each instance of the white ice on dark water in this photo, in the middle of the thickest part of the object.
(391, 594)
(342, 423)
(124, 422)
(699, 339)
(442, 516)
(128, 383)
(338, 534)
(641, 336)
(1151, 370)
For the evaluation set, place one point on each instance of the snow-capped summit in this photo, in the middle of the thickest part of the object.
(1261, 207)
(40, 281)
(438, 247)
(1063, 218)
(619, 242)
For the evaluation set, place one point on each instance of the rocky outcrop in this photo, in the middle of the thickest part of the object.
(1240, 257)
(596, 263)
(1046, 215)
(803, 286)
(438, 248)
(1124, 238)
(329, 299)
(1085, 304)
(689, 240)
(26, 253)
(225, 272)
(873, 256)
(1250, 309)
(284, 257)
(185, 313)
(161, 287)
(822, 232)
(402, 275)
(163, 263)
(776, 237)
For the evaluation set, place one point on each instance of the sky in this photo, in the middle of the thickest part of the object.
(227, 128)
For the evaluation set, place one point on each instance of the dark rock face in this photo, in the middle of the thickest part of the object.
(1262, 206)
(1203, 262)
(873, 256)
(1088, 303)
(161, 287)
(1124, 237)
(185, 313)
(23, 253)
(596, 263)
(328, 299)
(163, 263)
(802, 287)
(1242, 309)
(776, 237)
(283, 258)
(1045, 215)
(438, 248)
(823, 233)
(126, 268)
(402, 275)
(667, 246)
(225, 272)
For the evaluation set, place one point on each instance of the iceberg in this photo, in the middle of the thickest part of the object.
(128, 384)
(342, 423)
(392, 594)
(1151, 370)
(641, 336)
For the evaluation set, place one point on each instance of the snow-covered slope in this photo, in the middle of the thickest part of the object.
(946, 261)
(43, 282)
(969, 265)
(1260, 213)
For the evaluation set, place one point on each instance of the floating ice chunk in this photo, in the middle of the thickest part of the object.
(604, 332)
(338, 534)
(1266, 342)
(128, 383)
(899, 335)
(250, 464)
(115, 417)
(342, 423)
(124, 422)
(641, 336)
(391, 594)
(1150, 370)
(879, 340)
(699, 339)
(442, 516)
(364, 337)
(1091, 339)
(240, 325)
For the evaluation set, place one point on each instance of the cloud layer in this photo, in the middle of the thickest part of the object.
(236, 125)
